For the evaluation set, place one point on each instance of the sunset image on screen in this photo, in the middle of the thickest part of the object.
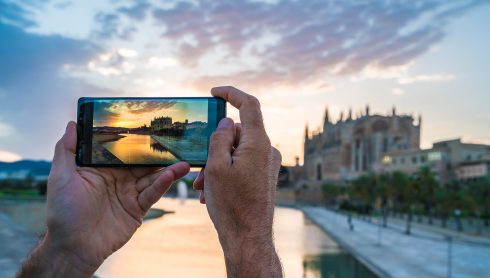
(149, 131)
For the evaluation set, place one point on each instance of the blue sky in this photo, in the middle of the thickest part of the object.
(424, 57)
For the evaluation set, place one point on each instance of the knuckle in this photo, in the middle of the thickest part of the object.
(212, 169)
(253, 101)
(276, 156)
(219, 136)
(60, 144)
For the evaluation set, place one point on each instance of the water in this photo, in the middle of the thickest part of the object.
(136, 149)
(185, 244)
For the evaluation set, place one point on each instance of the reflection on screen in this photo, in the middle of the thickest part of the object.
(159, 131)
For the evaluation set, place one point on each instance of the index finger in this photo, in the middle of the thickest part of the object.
(248, 106)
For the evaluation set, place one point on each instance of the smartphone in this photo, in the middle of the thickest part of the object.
(146, 132)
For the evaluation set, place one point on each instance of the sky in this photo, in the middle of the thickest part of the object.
(427, 58)
(136, 113)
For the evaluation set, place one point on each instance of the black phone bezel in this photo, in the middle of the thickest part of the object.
(84, 130)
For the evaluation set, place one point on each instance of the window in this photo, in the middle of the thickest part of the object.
(319, 172)
(385, 144)
(402, 160)
(435, 156)
(423, 158)
(414, 160)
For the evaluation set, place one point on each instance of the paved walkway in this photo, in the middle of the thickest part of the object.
(15, 243)
(189, 149)
(391, 253)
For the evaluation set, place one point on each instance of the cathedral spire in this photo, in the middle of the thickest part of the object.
(307, 134)
(326, 120)
(367, 110)
(350, 114)
(420, 120)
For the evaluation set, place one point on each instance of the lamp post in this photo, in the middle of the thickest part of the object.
(457, 213)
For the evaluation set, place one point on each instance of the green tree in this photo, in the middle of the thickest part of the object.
(397, 186)
(365, 190)
(480, 192)
(331, 192)
(428, 185)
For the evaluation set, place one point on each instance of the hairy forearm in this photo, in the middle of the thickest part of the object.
(47, 260)
(251, 256)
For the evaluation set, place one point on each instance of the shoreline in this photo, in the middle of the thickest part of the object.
(104, 138)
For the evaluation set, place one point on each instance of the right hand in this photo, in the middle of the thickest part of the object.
(238, 187)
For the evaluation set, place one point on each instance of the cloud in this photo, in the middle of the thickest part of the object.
(138, 107)
(7, 156)
(114, 62)
(109, 26)
(425, 78)
(38, 97)
(315, 39)
(137, 11)
(6, 130)
(15, 14)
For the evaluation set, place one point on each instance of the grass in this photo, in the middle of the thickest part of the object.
(20, 194)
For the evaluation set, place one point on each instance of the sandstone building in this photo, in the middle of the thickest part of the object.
(352, 146)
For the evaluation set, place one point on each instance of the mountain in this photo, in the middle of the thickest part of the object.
(34, 167)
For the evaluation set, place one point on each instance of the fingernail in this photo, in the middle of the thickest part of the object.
(225, 123)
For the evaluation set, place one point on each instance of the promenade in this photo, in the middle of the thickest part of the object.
(190, 149)
(389, 252)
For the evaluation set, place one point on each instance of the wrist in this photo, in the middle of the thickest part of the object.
(62, 261)
(251, 255)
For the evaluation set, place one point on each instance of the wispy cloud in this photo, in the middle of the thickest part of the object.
(38, 96)
(425, 78)
(316, 39)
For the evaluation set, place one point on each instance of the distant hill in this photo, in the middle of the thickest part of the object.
(35, 167)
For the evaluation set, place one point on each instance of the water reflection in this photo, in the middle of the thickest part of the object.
(136, 149)
(185, 244)
(336, 265)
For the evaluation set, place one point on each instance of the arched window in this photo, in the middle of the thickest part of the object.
(319, 171)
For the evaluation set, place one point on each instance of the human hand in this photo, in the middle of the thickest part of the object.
(238, 187)
(93, 212)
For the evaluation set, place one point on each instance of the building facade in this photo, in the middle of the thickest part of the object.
(448, 160)
(351, 147)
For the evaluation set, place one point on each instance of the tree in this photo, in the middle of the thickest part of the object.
(331, 193)
(480, 192)
(397, 187)
(428, 186)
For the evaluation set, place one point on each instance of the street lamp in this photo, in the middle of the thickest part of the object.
(457, 213)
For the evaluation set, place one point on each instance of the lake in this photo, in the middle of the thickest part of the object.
(136, 149)
(185, 244)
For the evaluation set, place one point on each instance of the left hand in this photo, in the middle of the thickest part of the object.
(93, 212)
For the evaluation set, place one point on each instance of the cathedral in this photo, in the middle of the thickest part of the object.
(351, 146)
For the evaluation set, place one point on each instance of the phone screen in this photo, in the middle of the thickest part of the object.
(146, 131)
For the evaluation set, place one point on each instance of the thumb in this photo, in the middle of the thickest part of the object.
(64, 153)
(221, 144)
